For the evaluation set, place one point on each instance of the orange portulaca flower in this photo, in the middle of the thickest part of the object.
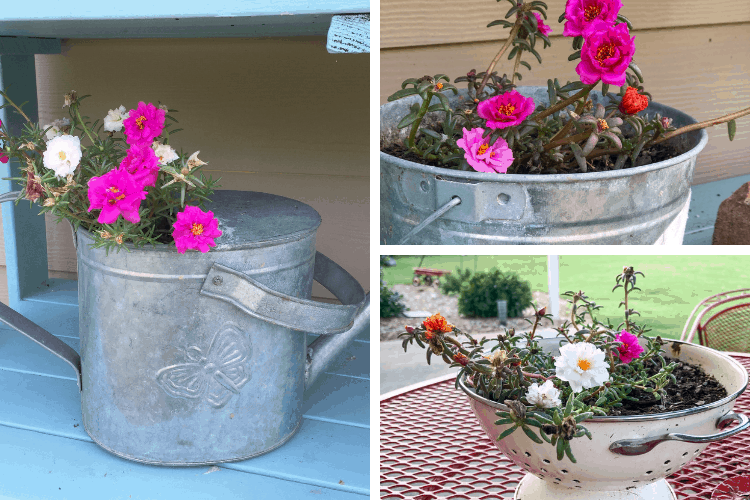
(437, 323)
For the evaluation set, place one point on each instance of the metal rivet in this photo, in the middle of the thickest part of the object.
(503, 199)
(218, 280)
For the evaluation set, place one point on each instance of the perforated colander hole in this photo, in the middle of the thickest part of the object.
(564, 471)
(527, 465)
(576, 481)
(544, 470)
(669, 469)
(527, 453)
(558, 479)
(546, 461)
(649, 472)
(514, 452)
(665, 463)
(685, 454)
(577, 486)
(697, 451)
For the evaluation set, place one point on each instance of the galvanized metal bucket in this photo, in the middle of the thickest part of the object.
(420, 204)
(203, 358)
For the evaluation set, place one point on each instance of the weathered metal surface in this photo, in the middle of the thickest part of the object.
(172, 376)
(601, 471)
(632, 206)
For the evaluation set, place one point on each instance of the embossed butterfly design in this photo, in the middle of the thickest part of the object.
(219, 374)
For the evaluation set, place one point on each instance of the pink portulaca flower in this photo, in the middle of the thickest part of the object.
(506, 110)
(482, 156)
(605, 55)
(630, 348)
(144, 124)
(543, 28)
(195, 229)
(581, 14)
(141, 162)
(116, 193)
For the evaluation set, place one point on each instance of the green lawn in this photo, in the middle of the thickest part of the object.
(673, 285)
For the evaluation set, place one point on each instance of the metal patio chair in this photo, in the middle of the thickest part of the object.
(722, 321)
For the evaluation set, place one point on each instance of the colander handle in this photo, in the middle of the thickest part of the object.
(631, 447)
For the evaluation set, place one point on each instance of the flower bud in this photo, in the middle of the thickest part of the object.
(517, 409)
(666, 122)
(409, 329)
(70, 98)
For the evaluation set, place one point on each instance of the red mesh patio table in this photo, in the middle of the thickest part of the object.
(432, 447)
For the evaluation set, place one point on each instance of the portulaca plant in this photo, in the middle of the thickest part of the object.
(118, 177)
(549, 397)
(498, 130)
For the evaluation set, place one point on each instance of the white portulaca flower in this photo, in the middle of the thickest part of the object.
(582, 365)
(63, 155)
(113, 120)
(55, 129)
(164, 153)
(543, 396)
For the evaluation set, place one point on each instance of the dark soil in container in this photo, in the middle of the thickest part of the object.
(693, 388)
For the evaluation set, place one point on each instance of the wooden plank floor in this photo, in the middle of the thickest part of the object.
(47, 454)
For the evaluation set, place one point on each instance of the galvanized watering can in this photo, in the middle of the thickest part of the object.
(202, 358)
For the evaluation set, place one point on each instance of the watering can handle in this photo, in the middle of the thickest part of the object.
(261, 302)
(257, 300)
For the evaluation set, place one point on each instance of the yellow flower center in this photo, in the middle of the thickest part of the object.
(113, 189)
(605, 52)
(197, 229)
(139, 122)
(61, 155)
(506, 109)
(603, 125)
(439, 86)
(483, 149)
(591, 12)
(584, 364)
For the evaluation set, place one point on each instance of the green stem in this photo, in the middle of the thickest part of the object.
(85, 129)
(418, 121)
(515, 66)
(562, 104)
(505, 46)
(5, 96)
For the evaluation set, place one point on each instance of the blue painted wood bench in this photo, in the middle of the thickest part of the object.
(44, 451)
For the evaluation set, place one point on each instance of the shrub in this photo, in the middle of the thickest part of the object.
(451, 283)
(480, 294)
(390, 300)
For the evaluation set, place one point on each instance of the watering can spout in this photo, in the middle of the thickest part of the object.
(326, 348)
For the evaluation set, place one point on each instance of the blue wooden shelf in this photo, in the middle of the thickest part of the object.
(47, 454)
(148, 19)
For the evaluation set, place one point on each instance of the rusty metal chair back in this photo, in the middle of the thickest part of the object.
(721, 321)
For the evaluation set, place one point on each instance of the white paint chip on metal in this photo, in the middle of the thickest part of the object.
(349, 34)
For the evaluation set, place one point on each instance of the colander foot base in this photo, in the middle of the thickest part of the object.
(533, 488)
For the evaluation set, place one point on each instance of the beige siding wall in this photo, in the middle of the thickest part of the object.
(275, 115)
(693, 55)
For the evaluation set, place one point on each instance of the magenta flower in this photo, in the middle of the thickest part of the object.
(605, 55)
(630, 348)
(543, 28)
(195, 229)
(116, 193)
(141, 162)
(3, 157)
(505, 110)
(481, 156)
(580, 14)
(144, 124)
